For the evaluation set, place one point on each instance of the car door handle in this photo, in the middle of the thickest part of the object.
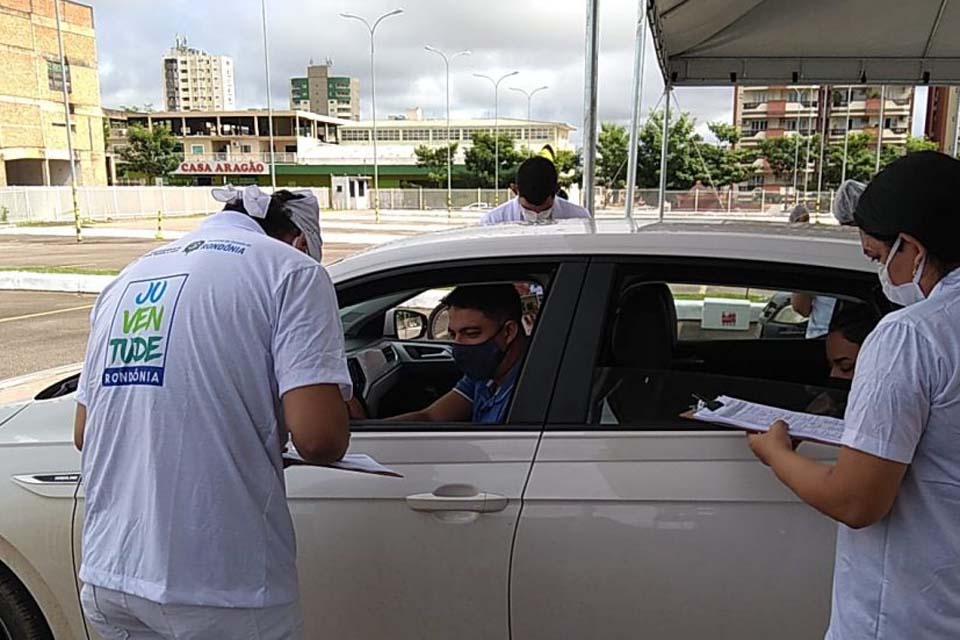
(481, 502)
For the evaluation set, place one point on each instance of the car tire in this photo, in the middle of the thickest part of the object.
(20, 617)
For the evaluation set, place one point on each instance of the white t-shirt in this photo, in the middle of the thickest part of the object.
(900, 578)
(512, 212)
(190, 351)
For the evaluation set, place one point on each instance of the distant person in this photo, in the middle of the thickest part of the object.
(536, 201)
(845, 202)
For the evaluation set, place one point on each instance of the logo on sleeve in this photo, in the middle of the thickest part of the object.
(140, 332)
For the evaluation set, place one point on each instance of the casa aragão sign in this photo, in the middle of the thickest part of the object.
(232, 167)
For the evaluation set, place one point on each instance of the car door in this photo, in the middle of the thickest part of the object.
(650, 531)
(427, 555)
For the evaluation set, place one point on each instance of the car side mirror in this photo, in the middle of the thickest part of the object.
(404, 324)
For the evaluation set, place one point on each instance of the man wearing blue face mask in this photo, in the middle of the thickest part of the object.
(488, 346)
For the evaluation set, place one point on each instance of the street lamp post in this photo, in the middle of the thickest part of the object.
(373, 98)
(529, 95)
(446, 61)
(66, 114)
(496, 130)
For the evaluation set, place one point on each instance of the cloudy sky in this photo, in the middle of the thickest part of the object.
(542, 39)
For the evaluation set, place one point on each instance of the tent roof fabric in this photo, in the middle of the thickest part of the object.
(775, 42)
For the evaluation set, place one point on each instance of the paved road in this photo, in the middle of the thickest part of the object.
(102, 253)
(41, 330)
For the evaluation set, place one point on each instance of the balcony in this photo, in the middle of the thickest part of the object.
(752, 105)
(280, 157)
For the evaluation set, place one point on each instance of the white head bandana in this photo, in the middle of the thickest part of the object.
(255, 202)
(305, 213)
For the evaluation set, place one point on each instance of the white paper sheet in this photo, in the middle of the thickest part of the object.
(358, 462)
(759, 417)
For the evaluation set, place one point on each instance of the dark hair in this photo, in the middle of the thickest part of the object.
(277, 223)
(916, 195)
(499, 302)
(854, 321)
(537, 180)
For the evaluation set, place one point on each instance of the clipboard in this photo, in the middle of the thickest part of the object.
(735, 413)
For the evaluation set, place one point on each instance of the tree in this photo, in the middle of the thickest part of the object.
(920, 144)
(613, 144)
(150, 152)
(569, 167)
(435, 161)
(684, 167)
(480, 160)
(727, 135)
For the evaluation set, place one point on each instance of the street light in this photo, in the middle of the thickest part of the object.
(446, 62)
(373, 98)
(496, 130)
(66, 114)
(529, 95)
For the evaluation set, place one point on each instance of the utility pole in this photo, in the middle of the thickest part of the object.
(446, 62)
(496, 130)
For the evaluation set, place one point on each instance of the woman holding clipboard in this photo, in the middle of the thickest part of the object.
(895, 489)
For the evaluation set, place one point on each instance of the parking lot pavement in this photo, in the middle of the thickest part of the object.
(103, 253)
(41, 330)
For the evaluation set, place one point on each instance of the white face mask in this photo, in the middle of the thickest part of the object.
(534, 216)
(907, 293)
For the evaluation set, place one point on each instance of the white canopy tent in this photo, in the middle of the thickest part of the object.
(759, 42)
(783, 42)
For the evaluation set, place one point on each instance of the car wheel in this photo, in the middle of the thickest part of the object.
(20, 617)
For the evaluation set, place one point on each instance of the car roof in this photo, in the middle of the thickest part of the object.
(782, 243)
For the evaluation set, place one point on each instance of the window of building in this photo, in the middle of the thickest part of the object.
(388, 134)
(55, 76)
(354, 135)
(758, 125)
(416, 134)
(196, 149)
(540, 133)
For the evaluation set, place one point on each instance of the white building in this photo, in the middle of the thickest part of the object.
(194, 80)
(401, 136)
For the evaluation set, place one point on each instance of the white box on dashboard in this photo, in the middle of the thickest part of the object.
(730, 314)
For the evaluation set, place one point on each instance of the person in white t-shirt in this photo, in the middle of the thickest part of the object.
(536, 201)
(895, 487)
(205, 356)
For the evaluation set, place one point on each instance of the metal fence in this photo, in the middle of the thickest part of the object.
(20, 205)
(55, 204)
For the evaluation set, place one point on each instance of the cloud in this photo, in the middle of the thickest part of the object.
(542, 39)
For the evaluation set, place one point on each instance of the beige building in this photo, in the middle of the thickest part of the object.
(33, 138)
(194, 80)
(784, 111)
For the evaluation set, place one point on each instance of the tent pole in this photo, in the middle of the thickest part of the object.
(828, 97)
(590, 104)
(846, 135)
(883, 101)
(664, 146)
(638, 63)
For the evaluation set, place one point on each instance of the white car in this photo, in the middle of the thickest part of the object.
(595, 511)
(477, 206)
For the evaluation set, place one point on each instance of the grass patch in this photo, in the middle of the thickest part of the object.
(81, 271)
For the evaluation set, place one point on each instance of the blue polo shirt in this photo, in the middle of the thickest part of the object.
(489, 401)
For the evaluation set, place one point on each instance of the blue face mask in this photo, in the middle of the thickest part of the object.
(479, 361)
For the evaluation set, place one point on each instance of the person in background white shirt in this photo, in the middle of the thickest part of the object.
(536, 201)
(895, 488)
(205, 356)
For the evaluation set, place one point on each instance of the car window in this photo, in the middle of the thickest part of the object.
(717, 312)
(400, 352)
(668, 343)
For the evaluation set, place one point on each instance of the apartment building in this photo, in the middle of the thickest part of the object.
(194, 80)
(33, 120)
(324, 94)
(942, 112)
